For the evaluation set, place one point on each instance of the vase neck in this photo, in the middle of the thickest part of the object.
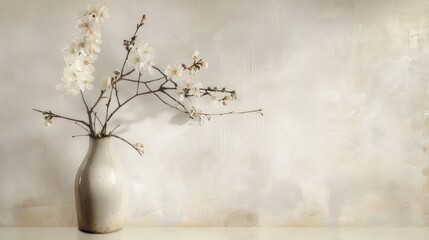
(100, 143)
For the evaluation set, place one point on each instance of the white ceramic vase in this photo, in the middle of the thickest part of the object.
(101, 189)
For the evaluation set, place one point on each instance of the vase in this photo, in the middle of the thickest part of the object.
(101, 189)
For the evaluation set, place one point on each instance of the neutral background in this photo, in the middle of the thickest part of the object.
(343, 142)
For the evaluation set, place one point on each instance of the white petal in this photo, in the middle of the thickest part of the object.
(89, 86)
(47, 124)
(205, 65)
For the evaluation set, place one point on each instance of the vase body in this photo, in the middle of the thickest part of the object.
(101, 189)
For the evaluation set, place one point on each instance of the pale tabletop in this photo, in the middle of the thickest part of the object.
(220, 234)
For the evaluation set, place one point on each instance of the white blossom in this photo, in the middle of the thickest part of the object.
(48, 121)
(81, 53)
(135, 60)
(96, 45)
(174, 71)
(183, 89)
(195, 90)
(96, 12)
(88, 48)
(189, 88)
(148, 66)
(88, 25)
(71, 52)
(105, 83)
(139, 147)
(205, 64)
(204, 118)
(84, 64)
(70, 87)
(201, 117)
(73, 73)
(86, 83)
(75, 80)
(141, 57)
(146, 51)
(195, 55)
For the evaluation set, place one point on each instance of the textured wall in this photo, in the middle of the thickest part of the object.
(343, 141)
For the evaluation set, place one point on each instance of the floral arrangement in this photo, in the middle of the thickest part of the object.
(171, 87)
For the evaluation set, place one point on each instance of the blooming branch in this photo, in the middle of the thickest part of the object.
(171, 87)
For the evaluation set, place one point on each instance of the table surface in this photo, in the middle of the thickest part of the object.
(220, 234)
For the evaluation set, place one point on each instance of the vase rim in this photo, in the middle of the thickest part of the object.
(99, 138)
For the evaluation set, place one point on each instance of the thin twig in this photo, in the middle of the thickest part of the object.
(96, 116)
(84, 102)
(180, 104)
(91, 128)
(132, 145)
(93, 122)
(162, 100)
(128, 73)
(129, 99)
(132, 40)
(51, 114)
(116, 93)
(165, 77)
(82, 135)
(98, 100)
(136, 81)
(82, 127)
(233, 112)
(103, 129)
(114, 129)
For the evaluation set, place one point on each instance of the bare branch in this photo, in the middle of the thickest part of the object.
(82, 127)
(125, 102)
(88, 112)
(233, 112)
(132, 145)
(128, 43)
(128, 73)
(103, 129)
(98, 100)
(136, 81)
(83, 135)
(113, 129)
(180, 104)
(116, 92)
(162, 100)
(165, 77)
(96, 116)
(51, 114)
(84, 102)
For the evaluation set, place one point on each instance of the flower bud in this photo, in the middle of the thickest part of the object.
(205, 65)
(48, 121)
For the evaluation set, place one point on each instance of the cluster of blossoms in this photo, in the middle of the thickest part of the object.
(172, 88)
(141, 57)
(187, 88)
(139, 147)
(81, 52)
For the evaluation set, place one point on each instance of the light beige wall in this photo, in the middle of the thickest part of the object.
(343, 141)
